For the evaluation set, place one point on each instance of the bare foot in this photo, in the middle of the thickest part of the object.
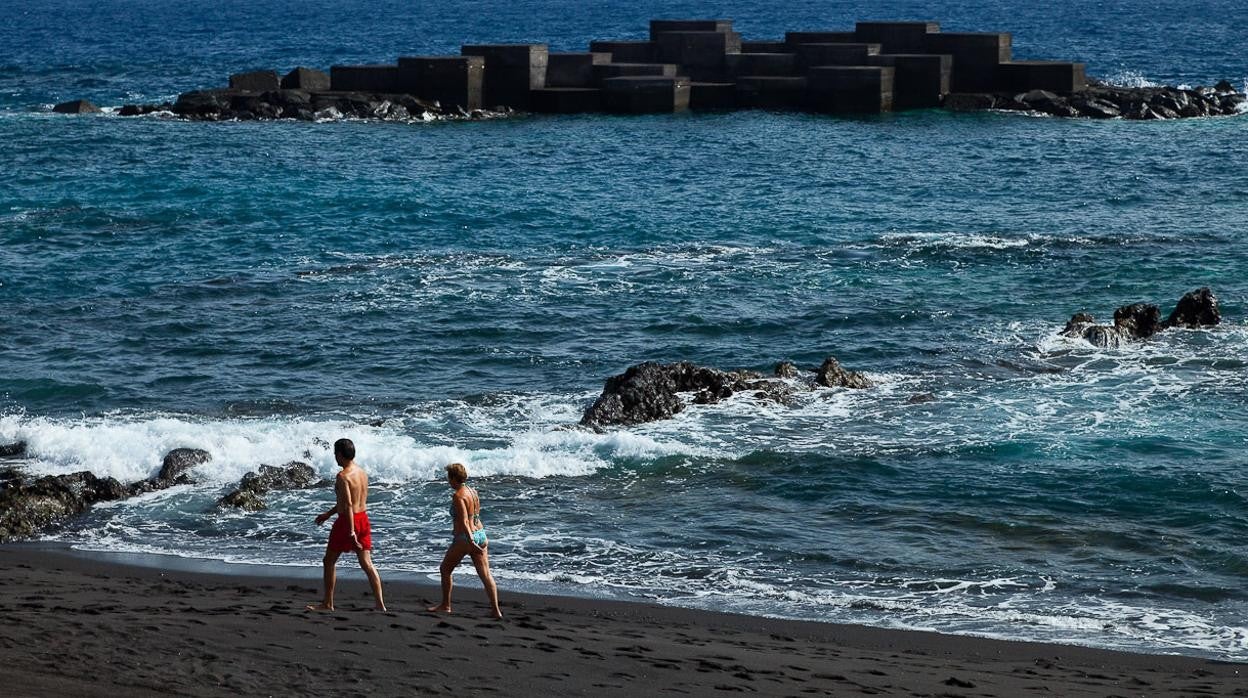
(498, 615)
(382, 609)
(440, 608)
(318, 607)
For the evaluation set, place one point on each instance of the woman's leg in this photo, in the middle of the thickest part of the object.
(481, 561)
(453, 555)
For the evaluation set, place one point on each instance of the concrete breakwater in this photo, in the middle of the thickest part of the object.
(703, 65)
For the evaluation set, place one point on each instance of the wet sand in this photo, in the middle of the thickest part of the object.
(96, 627)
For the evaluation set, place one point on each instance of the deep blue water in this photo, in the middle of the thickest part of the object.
(254, 289)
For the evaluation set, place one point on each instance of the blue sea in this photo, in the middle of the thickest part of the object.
(460, 290)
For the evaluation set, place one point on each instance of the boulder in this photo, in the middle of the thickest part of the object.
(968, 102)
(254, 485)
(202, 103)
(1224, 86)
(1197, 308)
(28, 507)
(175, 468)
(786, 369)
(13, 450)
(832, 375)
(648, 392)
(1138, 320)
(78, 106)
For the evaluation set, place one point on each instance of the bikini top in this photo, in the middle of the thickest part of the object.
(476, 513)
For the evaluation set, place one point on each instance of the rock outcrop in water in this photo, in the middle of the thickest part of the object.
(1140, 321)
(13, 450)
(28, 506)
(650, 391)
(251, 489)
(1102, 101)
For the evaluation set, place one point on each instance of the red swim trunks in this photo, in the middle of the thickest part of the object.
(340, 535)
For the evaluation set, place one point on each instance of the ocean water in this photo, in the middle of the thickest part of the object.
(459, 291)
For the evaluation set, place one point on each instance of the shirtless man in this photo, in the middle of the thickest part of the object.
(351, 530)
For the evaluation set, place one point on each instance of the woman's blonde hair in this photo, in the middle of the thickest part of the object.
(458, 473)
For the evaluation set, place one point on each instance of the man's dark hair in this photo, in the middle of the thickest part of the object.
(344, 448)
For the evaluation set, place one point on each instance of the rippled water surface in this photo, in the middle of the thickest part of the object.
(459, 291)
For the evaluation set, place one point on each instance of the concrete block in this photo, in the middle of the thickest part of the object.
(793, 38)
(661, 26)
(625, 51)
(573, 69)
(897, 37)
(511, 70)
(810, 55)
(646, 95)
(1024, 76)
(700, 54)
(771, 92)
(566, 100)
(765, 47)
(850, 89)
(761, 64)
(712, 95)
(920, 81)
(305, 79)
(256, 81)
(365, 78)
(447, 80)
(976, 58)
(605, 71)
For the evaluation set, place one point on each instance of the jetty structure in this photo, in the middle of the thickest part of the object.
(705, 65)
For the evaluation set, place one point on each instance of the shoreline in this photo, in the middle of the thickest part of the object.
(95, 625)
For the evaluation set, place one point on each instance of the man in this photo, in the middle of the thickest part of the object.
(351, 531)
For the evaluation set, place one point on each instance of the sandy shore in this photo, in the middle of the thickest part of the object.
(90, 626)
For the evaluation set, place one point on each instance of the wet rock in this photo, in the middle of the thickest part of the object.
(1224, 86)
(202, 103)
(175, 468)
(969, 102)
(1138, 320)
(832, 375)
(1096, 108)
(78, 106)
(1197, 308)
(13, 450)
(773, 390)
(920, 398)
(648, 392)
(786, 369)
(29, 507)
(256, 484)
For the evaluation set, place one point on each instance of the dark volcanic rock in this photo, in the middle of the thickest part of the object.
(1197, 308)
(254, 485)
(786, 369)
(1224, 86)
(202, 103)
(78, 106)
(175, 468)
(26, 508)
(1138, 320)
(969, 102)
(832, 375)
(648, 392)
(13, 450)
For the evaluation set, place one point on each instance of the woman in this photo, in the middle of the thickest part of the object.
(468, 538)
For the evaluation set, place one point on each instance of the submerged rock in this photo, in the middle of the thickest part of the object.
(1139, 321)
(78, 106)
(254, 485)
(13, 450)
(831, 375)
(176, 466)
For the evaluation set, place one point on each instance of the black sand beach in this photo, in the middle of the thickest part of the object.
(93, 627)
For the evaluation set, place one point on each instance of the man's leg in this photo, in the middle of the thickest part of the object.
(449, 563)
(331, 559)
(374, 579)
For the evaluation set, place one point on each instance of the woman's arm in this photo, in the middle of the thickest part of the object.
(464, 521)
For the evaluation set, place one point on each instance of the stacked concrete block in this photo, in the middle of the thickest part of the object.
(664, 26)
(976, 58)
(1023, 76)
(795, 38)
(765, 47)
(447, 80)
(366, 78)
(255, 81)
(897, 37)
(920, 81)
(850, 89)
(573, 69)
(565, 100)
(712, 95)
(605, 71)
(700, 54)
(646, 94)
(774, 64)
(306, 79)
(771, 92)
(625, 51)
(810, 55)
(511, 71)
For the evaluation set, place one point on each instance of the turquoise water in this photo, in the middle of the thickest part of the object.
(259, 289)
